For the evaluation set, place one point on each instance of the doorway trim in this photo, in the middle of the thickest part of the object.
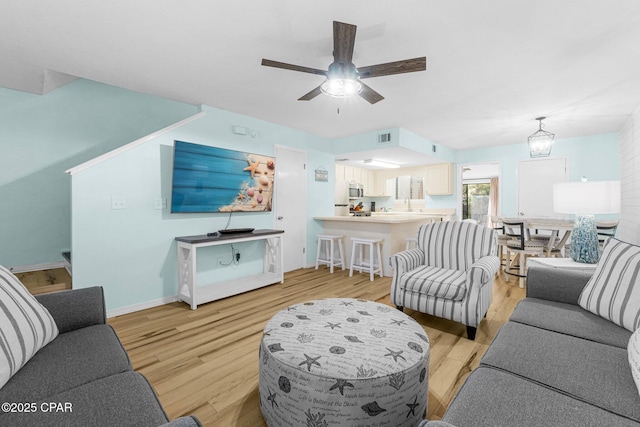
(461, 167)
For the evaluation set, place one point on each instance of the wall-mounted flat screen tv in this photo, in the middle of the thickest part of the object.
(212, 179)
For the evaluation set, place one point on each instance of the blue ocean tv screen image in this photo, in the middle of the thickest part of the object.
(213, 179)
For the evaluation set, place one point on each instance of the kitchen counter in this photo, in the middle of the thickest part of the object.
(392, 229)
(394, 218)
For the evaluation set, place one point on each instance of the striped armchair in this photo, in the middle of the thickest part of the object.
(449, 274)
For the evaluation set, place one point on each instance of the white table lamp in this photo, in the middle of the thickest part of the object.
(585, 199)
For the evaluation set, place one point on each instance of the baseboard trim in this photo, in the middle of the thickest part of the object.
(37, 267)
(142, 306)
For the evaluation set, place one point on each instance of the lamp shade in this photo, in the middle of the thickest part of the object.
(586, 198)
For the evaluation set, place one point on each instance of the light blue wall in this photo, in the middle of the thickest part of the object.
(42, 136)
(320, 194)
(595, 156)
(132, 252)
(411, 141)
(365, 141)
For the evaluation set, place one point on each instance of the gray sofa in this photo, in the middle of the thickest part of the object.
(84, 376)
(552, 364)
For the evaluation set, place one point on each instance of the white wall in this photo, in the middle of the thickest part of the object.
(629, 228)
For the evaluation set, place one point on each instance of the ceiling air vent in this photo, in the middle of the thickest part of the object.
(383, 138)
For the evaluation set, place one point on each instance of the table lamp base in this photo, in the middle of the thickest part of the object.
(584, 240)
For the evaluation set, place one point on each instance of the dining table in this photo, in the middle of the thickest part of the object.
(555, 226)
(554, 245)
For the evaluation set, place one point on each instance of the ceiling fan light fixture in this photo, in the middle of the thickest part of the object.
(342, 77)
(342, 81)
(341, 88)
(540, 142)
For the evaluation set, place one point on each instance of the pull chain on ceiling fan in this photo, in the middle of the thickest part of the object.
(343, 78)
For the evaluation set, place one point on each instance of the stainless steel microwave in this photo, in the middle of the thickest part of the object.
(355, 190)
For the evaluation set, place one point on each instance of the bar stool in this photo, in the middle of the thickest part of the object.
(358, 258)
(411, 241)
(331, 258)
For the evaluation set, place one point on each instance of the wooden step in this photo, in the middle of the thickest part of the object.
(37, 290)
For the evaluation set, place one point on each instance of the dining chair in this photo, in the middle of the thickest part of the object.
(521, 245)
(558, 249)
(497, 225)
(605, 229)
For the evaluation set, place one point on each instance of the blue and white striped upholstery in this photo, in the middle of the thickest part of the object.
(449, 274)
(438, 282)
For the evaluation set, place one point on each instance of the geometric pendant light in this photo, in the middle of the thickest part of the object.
(540, 142)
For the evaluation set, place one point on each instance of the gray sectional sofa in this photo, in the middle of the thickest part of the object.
(552, 364)
(84, 376)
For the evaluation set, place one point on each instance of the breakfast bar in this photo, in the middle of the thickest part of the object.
(393, 229)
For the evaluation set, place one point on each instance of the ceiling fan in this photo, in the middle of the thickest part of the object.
(343, 78)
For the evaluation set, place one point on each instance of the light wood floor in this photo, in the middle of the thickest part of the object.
(205, 362)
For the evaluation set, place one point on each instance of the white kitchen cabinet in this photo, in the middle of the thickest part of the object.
(357, 175)
(377, 184)
(380, 184)
(372, 183)
(353, 174)
(340, 173)
(439, 179)
(348, 173)
(368, 182)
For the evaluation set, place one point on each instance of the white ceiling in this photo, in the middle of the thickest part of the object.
(492, 66)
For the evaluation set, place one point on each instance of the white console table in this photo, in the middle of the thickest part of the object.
(189, 292)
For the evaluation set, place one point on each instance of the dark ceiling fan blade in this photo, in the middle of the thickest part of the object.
(397, 67)
(369, 94)
(309, 96)
(344, 39)
(284, 65)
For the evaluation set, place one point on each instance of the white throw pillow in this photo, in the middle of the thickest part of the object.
(634, 357)
(614, 290)
(25, 325)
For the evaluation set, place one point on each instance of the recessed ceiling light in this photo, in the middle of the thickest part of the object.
(380, 163)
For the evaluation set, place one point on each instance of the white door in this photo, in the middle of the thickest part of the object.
(535, 186)
(291, 205)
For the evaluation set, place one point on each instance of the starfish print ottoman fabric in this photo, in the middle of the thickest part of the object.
(343, 362)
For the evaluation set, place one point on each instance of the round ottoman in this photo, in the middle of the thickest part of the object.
(343, 362)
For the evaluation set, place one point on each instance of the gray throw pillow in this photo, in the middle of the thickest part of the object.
(634, 357)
